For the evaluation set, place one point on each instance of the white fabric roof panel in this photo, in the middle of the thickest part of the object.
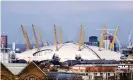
(68, 51)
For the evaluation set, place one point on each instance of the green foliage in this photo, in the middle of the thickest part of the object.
(12, 79)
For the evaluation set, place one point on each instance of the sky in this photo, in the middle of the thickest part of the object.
(66, 14)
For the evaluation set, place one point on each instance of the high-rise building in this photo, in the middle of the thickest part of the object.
(3, 43)
(93, 40)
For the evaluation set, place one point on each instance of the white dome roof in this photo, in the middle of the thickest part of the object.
(106, 54)
(68, 51)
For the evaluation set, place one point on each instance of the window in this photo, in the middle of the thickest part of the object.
(31, 78)
(90, 77)
(95, 74)
(108, 74)
(4, 77)
(101, 74)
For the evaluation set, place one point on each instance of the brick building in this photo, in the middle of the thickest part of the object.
(29, 72)
(6, 74)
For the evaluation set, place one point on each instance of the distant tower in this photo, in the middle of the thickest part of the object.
(4, 43)
(106, 40)
(13, 46)
(93, 40)
(4, 56)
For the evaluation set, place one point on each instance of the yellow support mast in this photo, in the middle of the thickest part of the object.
(40, 34)
(102, 37)
(35, 37)
(55, 37)
(61, 35)
(80, 38)
(83, 35)
(26, 37)
(114, 38)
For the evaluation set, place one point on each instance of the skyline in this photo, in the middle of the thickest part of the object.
(68, 14)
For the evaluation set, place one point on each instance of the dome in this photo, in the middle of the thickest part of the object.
(68, 51)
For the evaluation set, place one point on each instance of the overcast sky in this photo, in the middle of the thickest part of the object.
(69, 15)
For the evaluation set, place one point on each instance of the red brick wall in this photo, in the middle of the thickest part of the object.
(31, 71)
(5, 73)
(100, 69)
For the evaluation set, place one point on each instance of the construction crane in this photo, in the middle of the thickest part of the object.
(26, 37)
(129, 40)
(114, 38)
(35, 37)
(61, 35)
(40, 35)
(80, 38)
(55, 37)
(102, 37)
